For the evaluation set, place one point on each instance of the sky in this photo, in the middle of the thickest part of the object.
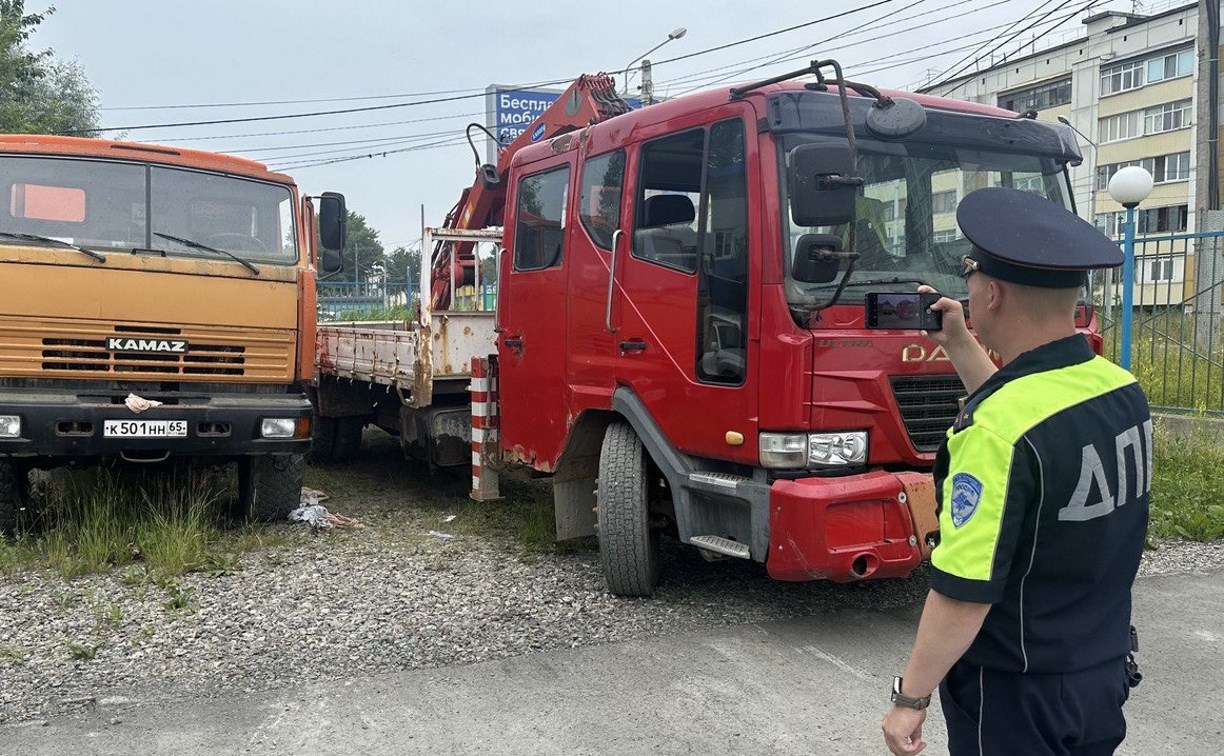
(147, 58)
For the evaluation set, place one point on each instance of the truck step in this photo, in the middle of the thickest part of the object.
(721, 545)
(716, 482)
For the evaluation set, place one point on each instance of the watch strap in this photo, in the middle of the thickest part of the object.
(909, 702)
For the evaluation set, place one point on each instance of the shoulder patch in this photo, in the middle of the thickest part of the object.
(966, 493)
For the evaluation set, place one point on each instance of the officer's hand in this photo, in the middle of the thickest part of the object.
(903, 730)
(954, 328)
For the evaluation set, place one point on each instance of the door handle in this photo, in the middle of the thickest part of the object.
(616, 237)
(514, 342)
(633, 345)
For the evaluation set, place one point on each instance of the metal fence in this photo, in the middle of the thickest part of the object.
(1176, 348)
(364, 300)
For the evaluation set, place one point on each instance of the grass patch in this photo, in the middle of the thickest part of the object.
(1188, 489)
(398, 312)
(13, 656)
(1174, 356)
(155, 523)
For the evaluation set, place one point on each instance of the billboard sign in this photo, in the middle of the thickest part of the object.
(509, 111)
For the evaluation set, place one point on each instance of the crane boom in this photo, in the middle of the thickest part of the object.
(592, 98)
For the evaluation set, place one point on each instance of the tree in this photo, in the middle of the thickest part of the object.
(402, 261)
(363, 252)
(38, 94)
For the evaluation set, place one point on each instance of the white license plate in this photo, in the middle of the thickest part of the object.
(145, 429)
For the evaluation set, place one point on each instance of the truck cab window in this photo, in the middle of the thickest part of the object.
(722, 288)
(539, 220)
(599, 208)
(665, 224)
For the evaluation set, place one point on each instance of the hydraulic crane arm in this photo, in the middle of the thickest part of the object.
(589, 100)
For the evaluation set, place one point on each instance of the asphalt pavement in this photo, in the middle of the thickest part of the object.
(816, 685)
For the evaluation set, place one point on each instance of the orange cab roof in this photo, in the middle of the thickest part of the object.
(45, 144)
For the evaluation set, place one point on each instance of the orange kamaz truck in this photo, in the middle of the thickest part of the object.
(156, 304)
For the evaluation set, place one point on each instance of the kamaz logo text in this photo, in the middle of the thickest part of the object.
(169, 346)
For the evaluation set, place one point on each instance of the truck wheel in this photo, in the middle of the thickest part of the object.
(628, 546)
(322, 440)
(14, 493)
(348, 438)
(269, 487)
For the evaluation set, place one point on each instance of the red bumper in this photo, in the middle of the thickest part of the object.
(872, 525)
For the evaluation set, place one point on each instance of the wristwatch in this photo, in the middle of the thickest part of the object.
(900, 699)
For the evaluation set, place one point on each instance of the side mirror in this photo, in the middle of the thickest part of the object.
(822, 185)
(817, 258)
(332, 219)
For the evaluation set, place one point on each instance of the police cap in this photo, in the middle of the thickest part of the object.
(1024, 238)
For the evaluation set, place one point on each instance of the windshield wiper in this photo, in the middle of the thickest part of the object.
(197, 245)
(877, 282)
(56, 242)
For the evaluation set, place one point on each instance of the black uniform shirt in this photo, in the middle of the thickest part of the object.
(1043, 488)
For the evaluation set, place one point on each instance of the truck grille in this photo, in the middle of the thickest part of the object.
(87, 355)
(78, 351)
(928, 405)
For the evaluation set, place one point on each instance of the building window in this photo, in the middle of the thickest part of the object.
(1164, 168)
(1169, 220)
(1170, 66)
(941, 237)
(1174, 167)
(1122, 77)
(1039, 97)
(1161, 270)
(943, 202)
(1167, 117)
(1121, 126)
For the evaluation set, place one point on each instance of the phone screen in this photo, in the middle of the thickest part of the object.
(903, 311)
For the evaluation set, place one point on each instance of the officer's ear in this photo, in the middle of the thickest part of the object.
(996, 293)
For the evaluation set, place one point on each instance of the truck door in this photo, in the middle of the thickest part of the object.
(532, 343)
(684, 326)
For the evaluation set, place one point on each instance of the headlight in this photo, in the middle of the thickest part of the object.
(10, 426)
(784, 450)
(837, 449)
(278, 427)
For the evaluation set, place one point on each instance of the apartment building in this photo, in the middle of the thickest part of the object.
(1131, 85)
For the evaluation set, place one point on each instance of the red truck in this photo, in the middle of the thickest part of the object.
(678, 335)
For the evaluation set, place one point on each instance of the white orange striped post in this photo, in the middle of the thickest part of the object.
(484, 429)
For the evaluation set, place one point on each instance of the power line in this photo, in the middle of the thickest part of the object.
(288, 102)
(372, 108)
(1039, 21)
(987, 43)
(419, 148)
(319, 130)
(787, 56)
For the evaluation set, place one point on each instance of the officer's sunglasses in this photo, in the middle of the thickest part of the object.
(971, 266)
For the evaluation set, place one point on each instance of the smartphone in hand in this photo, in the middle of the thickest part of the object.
(904, 311)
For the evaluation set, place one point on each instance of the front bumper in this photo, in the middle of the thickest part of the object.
(872, 525)
(67, 423)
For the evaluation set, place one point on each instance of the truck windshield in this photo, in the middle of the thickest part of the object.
(116, 206)
(906, 214)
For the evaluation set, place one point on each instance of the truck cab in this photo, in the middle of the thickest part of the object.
(679, 304)
(157, 303)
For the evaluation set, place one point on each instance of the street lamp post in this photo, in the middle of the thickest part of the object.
(1129, 186)
(676, 33)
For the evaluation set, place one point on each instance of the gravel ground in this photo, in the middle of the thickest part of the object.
(383, 599)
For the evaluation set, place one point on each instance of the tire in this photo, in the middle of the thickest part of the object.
(269, 487)
(348, 438)
(14, 494)
(628, 546)
(322, 440)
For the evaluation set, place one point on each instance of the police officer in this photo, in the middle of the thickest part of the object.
(1042, 485)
